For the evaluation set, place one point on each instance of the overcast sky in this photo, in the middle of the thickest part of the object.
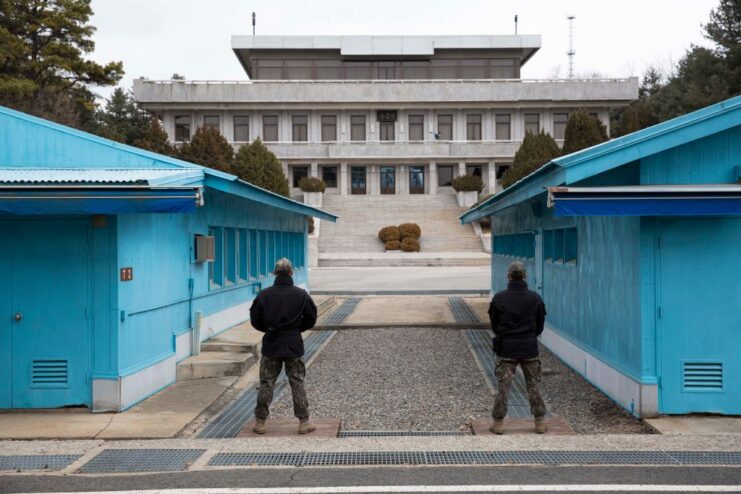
(155, 38)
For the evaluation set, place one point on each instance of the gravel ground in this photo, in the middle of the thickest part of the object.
(584, 407)
(395, 379)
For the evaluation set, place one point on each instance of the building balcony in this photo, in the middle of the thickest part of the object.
(435, 150)
(265, 94)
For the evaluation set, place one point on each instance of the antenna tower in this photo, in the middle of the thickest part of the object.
(571, 51)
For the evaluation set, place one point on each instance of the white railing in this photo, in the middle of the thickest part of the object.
(383, 81)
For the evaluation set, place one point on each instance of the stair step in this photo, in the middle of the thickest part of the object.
(227, 346)
(215, 364)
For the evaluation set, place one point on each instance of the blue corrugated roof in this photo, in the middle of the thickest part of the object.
(591, 161)
(214, 178)
(155, 177)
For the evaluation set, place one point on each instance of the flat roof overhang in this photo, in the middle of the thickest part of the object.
(647, 200)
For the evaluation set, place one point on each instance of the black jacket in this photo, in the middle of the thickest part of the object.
(517, 317)
(283, 312)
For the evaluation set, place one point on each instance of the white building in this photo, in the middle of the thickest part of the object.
(383, 114)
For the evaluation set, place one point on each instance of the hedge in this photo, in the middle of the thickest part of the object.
(311, 184)
(410, 245)
(468, 183)
(393, 245)
(410, 230)
(388, 233)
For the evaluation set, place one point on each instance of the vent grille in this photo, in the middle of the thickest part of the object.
(50, 373)
(703, 376)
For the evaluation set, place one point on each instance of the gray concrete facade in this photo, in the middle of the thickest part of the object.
(487, 117)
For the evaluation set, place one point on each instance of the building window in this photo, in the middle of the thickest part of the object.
(570, 246)
(329, 128)
(299, 172)
(230, 256)
(559, 125)
(474, 170)
(473, 127)
(182, 128)
(329, 175)
(243, 256)
(445, 175)
(357, 127)
(445, 127)
(532, 123)
(241, 128)
(211, 122)
(501, 170)
(558, 245)
(502, 122)
(270, 128)
(520, 245)
(300, 128)
(387, 131)
(216, 268)
(416, 127)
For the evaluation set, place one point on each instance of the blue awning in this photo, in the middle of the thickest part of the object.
(81, 201)
(643, 200)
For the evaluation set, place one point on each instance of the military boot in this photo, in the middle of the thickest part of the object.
(259, 427)
(305, 427)
(497, 427)
(540, 426)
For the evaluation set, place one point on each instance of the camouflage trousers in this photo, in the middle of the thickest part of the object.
(505, 372)
(269, 371)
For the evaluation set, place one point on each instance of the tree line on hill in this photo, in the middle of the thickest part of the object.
(44, 71)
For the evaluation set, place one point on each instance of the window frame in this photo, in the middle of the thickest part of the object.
(216, 126)
(357, 126)
(418, 126)
(183, 125)
(387, 131)
(272, 126)
(473, 128)
(526, 123)
(561, 133)
(245, 125)
(325, 126)
(301, 168)
(452, 175)
(328, 182)
(299, 131)
(445, 125)
(500, 121)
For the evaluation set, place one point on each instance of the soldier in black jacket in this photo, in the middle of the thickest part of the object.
(283, 311)
(517, 317)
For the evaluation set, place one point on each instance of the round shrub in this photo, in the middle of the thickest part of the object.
(410, 230)
(410, 245)
(388, 233)
(468, 183)
(311, 184)
(393, 245)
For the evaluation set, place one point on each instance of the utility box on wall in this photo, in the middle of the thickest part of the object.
(205, 248)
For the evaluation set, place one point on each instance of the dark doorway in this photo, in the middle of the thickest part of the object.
(357, 180)
(416, 179)
(388, 180)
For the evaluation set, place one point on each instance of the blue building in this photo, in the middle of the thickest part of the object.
(635, 246)
(100, 277)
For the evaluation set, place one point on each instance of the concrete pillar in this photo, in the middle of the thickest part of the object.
(314, 169)
(461, 168)
(374, 181)
(491, 186)
(432, 179)
(343, 179)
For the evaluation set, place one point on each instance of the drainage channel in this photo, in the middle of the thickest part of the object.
(462, 312)
(518, 405)
(342, 312)
(180, 460)
(233, 418)
(399, 433)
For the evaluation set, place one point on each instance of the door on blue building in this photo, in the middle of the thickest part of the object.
(699, 316)
(45, 323)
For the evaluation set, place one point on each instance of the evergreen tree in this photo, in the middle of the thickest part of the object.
(43, 69)
(582, 131)
(122, 119)
(535, 151)
(724, 29)
(154, 138)
(209, 148)
(256, 164)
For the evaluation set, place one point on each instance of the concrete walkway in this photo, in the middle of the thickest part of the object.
(696, 425)
(429, 279)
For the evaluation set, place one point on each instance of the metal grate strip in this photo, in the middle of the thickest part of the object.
(399, 433)
(235, 416)
(142, 460)
(478, 458)
(462, 312)
(22, 463)
(342, 312)
(518, 405)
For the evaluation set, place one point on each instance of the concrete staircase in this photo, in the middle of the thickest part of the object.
(234, 351)
(443, 237)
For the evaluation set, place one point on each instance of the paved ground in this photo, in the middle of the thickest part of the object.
(697, 425)
(519, 479)
(396, 379)
(400, 278)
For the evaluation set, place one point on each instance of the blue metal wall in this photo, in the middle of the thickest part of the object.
(158, 304)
